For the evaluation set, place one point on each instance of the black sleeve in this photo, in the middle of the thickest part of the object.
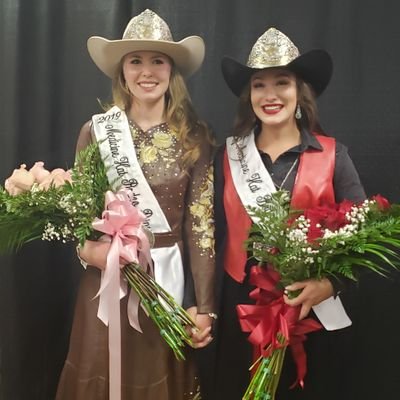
(346, 180)
(220, 223)
(219, 210)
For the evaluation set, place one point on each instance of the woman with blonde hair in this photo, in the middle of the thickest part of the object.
(161, 151)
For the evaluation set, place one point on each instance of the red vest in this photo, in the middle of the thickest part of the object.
(313, 186)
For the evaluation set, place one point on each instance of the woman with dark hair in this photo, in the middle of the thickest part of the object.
(156, 146)
(277, 144)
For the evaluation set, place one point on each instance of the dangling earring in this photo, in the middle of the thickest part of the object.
(298, 114)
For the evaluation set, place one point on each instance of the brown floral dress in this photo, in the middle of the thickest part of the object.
(149, 368)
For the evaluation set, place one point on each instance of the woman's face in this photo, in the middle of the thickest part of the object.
(273, 96)
(147, 75)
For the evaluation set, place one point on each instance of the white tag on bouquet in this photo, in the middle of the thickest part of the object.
(332, 314)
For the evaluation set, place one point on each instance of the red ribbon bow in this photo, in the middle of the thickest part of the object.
(271, 316)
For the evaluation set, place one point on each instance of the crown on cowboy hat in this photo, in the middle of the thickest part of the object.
(275, 50)
(147, 31)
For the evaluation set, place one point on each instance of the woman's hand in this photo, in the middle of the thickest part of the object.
(313, 292)
(95, 253)
(201, 337)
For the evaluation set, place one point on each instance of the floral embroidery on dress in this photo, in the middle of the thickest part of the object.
(157, 142)
(203, 217)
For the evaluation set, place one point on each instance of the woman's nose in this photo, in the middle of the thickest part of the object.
(269, 94)
(146, 71)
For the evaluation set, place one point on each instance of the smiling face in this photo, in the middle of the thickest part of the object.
(147, 75)
(273, 94)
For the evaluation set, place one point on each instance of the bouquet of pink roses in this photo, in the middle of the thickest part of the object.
(75, 205)
(291, 245)
(23, 180)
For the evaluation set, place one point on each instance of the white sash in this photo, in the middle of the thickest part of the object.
(250, 177)
(123, 170)
(253, 182)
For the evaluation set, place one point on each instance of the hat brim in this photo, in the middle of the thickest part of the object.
(187, 54)
(314, 67)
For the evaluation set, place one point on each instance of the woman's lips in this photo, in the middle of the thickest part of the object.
(272, 109)
(147, 85)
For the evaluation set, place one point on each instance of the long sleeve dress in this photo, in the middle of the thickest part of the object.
(149, 368)
(231, 354)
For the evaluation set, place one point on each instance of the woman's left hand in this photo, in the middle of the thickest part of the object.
(313, 292)
(201, 337)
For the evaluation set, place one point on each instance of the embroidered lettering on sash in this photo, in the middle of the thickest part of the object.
(250, 177)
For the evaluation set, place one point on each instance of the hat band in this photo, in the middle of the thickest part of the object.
(261, 64)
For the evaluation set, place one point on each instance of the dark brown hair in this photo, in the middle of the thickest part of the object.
(246, 119)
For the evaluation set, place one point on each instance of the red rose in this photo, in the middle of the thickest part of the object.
(314, 233)
(329, 216)
(274, 251)
(335, 220)
(382, 202)
(345, 206)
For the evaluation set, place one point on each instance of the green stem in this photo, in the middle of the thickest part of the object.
(265, 380)
(160, 306)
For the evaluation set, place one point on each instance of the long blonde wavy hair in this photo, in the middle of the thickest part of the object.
(179, 113)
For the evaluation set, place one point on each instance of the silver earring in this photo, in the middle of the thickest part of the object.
(298, 114)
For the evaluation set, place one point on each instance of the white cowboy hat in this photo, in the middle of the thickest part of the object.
(147, 32)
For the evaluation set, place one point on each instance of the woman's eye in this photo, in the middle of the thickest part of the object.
(135, 61)
(158, 61)
(257, 85)
(282, 82)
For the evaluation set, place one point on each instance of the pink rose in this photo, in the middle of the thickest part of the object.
(60, 177)
(39, 172)
(20, 181)
(11, 188)
(68, 176)
(56, 178)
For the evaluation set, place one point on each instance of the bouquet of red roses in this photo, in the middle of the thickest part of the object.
(290, 245)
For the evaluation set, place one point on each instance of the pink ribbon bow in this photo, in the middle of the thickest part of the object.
(123, 223)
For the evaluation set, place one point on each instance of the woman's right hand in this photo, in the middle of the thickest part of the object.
(95, 253)
(201, 337)
(313, 292)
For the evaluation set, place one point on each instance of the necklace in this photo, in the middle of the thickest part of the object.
(279, 187)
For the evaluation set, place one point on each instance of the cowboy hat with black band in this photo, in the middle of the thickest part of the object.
(275, 50)
(147, 32)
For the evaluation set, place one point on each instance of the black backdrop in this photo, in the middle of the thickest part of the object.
(49, 88)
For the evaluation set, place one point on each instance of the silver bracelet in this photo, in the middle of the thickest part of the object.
(212, 315)
(81, 260)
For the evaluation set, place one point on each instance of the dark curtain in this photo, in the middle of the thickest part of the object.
(50, 87)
